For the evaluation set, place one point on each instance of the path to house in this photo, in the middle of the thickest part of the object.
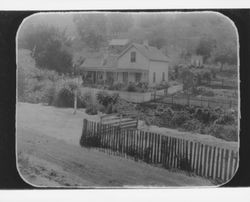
(49, 155)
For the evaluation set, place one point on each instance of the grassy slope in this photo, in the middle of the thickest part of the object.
(47, 144)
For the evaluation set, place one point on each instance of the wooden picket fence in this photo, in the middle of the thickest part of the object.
(212, 162)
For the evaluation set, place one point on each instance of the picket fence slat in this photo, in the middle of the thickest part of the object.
(169, 152)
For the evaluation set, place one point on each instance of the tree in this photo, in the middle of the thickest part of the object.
(48, 46)
(118, 23)
(54, 57)
(226, 54)
(188, 79)
(207, 76)
(91, 28)
(205, 47)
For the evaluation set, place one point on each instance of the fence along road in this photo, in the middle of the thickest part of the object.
(216, 163)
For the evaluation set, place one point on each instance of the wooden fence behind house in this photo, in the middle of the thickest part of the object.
(199, 102)
(216, 163)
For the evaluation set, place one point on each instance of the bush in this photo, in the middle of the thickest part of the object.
(192, 125)
(117, 86)
(163, 85)
(90, 140)
(179, 118)
(64, 97)
(226, 132)
(205, 115)
(86, 98)
(225, 119)
(105, 99)
(92, 109)
(49, 93)
(131, 87)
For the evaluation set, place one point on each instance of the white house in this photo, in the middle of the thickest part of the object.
(136, 63)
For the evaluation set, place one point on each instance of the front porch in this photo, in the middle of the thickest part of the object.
(110, 77)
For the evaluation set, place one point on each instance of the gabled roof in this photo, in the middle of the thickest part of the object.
(149, 52)
(118, 42)
(110, 61)
(100, 62)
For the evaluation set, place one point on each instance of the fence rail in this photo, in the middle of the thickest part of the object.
(121, 120)
(224, 83)
(199, 102)
(204, 160)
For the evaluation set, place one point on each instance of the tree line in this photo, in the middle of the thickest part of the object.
(178, 35)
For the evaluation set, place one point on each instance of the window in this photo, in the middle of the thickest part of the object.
(133, 56)
(163, 76)
(137, 77)
(154, 77)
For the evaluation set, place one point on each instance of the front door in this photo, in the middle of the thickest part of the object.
(125, 77)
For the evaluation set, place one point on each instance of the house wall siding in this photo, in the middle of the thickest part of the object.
(141, 61)
(158, 67)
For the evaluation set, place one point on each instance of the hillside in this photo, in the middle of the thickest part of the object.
(24, 59)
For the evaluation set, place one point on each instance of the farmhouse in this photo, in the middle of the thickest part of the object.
(136, 63)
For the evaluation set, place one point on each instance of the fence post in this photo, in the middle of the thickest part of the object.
(84, 129)
(120, 120)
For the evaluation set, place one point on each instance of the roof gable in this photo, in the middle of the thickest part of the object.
(149, 52)
(109, 62)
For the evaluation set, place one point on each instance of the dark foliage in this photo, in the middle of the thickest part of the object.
(90, 140)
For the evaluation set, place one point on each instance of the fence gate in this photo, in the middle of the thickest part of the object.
(123, 121)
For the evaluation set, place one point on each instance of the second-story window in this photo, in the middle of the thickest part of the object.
(133, 56)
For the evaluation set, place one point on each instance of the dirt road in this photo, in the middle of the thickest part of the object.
(49, 155)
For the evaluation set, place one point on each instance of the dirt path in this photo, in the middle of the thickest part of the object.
(49, 155)
(47, 161)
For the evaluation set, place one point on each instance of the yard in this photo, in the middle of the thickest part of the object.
(49, 155)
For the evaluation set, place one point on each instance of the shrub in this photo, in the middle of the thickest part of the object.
(110, 109)
(92, 109)
(90, 140)
(225, 119)
(179, 118)
(64, 97)
(49, 93)
(226, 132)
(205, 115)
(163, 85)
(105, 99)
(131, 87)
(116, 86)
(192, 125)
(86, 98)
